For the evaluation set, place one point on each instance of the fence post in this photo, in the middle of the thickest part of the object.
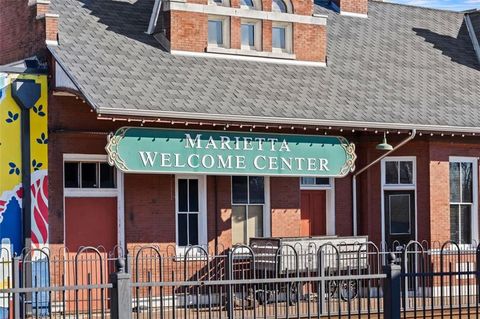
(230, 298)
(16, 284)
(393, 287)
(121, 301)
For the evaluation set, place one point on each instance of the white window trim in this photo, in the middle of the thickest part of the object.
(118, 192)
(266, 206)
(257, 34)
(288, 37)
(474, 217)
(202, 215)
(225, 32)
(398, 187)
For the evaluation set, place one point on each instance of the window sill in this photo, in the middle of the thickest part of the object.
(90, 192)
(253, 53)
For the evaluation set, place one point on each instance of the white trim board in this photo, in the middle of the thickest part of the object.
(243, 55)
(473, 37)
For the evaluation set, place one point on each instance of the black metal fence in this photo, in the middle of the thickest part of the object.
(354, 280)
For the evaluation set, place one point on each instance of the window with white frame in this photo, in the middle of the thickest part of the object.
(218, 31)
(463, 182)
(224, 3)
(399, 172)
(315, 182)
(88, 175)
(248, 206)
(251, 34)
(188, 212)
(282, 37)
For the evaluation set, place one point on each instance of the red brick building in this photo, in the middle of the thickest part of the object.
(351, 68)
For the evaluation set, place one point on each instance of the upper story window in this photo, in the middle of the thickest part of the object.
(282, 6)
(251, 4)
(251, 34)
(225, 3)
(218, 31)
(282, 37)
(89, 175)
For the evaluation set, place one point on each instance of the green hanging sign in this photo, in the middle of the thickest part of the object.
(158, 150)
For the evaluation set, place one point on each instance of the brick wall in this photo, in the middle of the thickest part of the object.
(313, 37)
(285, 206)
(22, 35)
(353, 6)
(188, 31)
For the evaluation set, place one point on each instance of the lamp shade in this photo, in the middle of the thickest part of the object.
(384, 146)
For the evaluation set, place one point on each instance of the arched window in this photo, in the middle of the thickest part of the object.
(279, 6)
(247, 3)
(225, 3)
(282, 6)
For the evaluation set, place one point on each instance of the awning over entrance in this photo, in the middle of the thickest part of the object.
(158, 150)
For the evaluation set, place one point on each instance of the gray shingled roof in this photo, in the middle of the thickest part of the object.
(405, 65)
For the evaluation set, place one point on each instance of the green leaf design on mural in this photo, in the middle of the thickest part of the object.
(42, 139)
(12, 117)
(13, 169)
(36, 165)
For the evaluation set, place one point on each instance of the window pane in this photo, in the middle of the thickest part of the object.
(182, 195)
(279, 6)
(182, 230)
(406, 172)
(467, 171)
(247, 3)
(107, 176)
(455, 182)
(308, 181)
(193, 229)
(89, 175)
(257, 193)
(466, 224)
(71, 175)
(399, 207)
(239, 190)
(215, 32)
(454, 223)
(391, 172)
(322, 181)
(248, 34)
(239, 229)
(255, 221)
(193, 196)
(278, 38)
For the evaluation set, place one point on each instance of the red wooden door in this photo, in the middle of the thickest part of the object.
(90, 222)
(313, 213)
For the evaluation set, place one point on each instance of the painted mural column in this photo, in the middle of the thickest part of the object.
(11, 191)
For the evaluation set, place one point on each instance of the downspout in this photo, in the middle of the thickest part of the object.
(354, 180)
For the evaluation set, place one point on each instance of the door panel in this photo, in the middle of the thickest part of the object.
(313, 213)
(90, 222)
(399, 217)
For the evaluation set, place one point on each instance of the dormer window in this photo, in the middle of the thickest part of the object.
(251, 4)
(251, 34)
(282, 37)
(282, 6)
(218, 31)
